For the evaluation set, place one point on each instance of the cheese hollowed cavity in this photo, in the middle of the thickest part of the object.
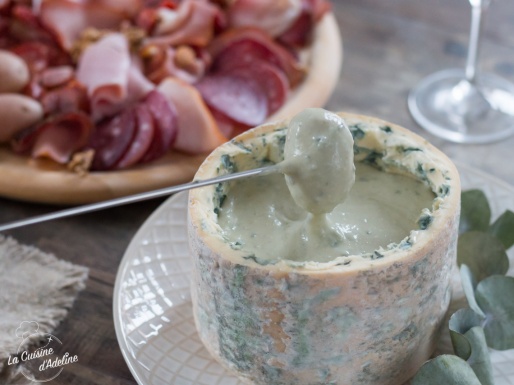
(359, 319)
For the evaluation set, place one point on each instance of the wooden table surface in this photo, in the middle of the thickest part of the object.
(388, 47)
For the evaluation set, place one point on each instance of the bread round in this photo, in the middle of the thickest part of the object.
(372, 321)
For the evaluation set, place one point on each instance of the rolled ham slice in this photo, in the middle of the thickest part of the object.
(71, 97)
(301, 32)
(197, 129)
(60, 137)
(192, 23)
(273, 16)
(138, 84)
(68, 18)
(104, 69)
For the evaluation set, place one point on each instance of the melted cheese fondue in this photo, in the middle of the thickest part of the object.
(314, 214)
(382, 208)
(318, 160)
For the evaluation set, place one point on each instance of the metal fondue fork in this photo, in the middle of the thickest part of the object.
(137, 197)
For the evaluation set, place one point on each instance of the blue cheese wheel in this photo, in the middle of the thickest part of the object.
(373, 320)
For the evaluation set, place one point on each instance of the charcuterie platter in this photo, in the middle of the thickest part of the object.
(42, 180)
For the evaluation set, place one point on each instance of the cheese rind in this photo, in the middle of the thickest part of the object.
(373, 321)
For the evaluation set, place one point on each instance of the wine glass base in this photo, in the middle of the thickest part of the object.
(450, 107)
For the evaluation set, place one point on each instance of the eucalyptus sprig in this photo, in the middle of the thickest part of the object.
(489, 320)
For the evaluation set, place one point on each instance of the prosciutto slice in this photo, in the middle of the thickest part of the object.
(192, 23)
(273, 16)
(104, 69)
(25, 26)
(301, 32)
(197, 129)
(59, 137)
(71, 97)
(68, 18)
(137, 83)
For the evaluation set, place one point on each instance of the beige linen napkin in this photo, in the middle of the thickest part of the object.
(34, 286)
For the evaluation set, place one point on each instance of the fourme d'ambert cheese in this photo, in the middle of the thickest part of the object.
(369, 318)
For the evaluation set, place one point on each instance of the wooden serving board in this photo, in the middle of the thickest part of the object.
(32, 180)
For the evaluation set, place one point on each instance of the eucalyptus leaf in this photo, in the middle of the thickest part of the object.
(480, 361)
(460, 323)
(495, 296)
(445, 369)
(503, 228)
(483, 253)
(469, 285)
(475, 211)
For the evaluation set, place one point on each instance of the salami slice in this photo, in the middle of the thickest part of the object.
(237, 93)
(111, 139)
(236, 96)
(164, 116)
(270, 79)
(142, 138)
(239, 47)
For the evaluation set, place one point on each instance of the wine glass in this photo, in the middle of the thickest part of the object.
(465, 105)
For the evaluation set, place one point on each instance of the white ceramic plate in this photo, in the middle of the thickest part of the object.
(152, 307)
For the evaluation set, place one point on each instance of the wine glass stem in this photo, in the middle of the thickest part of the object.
(474, 40)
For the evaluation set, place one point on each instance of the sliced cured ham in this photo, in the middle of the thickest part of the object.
(56, 76)
(25, 26)
(138, 84)
(165, 121)
(104, 69)
(4, 4)
(111, 139)
(71, 97)
(301, 32)
(197, 129)
(272, 16)
(239, 47)
(125, 9)
(68, 18)
(142, 139)
(193, 22)
(60, 137)
(40, 56)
